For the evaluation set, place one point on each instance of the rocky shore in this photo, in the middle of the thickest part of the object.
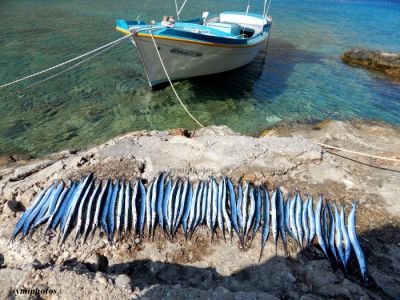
(387, 62)
(285, 155)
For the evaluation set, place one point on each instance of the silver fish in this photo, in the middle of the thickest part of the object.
(89, 211)
(292, 218)
(351, 227)
(299, 225)
(274, 219)
(127, 203)
(311, 220)
(339, 236)
(265, 228)
(346, 239)
(134, 208)
(305, 221)
(251, 213)
(318, 226)
(224, 211)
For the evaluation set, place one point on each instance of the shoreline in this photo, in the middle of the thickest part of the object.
(281, 128)
(292, 162)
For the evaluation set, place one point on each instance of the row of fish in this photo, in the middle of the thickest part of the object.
(122, 209)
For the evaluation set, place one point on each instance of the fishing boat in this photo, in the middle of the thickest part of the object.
(173, 50)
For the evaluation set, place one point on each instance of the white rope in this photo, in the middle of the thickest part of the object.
(356, 152)
(170, 82)
(180, 10)
(63, 71)
(64, 63)
(177, 9)
(269, 4)
(265, 8)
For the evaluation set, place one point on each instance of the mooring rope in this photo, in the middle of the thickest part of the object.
(63, 71)
(170, 82)
(356, 152)
(66, 62)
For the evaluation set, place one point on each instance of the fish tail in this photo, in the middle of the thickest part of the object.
(261, 252)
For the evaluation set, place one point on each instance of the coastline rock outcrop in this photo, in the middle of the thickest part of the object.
(387, 62)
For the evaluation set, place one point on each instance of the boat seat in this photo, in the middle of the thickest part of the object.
(233, 29)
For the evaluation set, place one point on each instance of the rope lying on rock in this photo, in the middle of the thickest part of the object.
(122, 211)
(357, 152)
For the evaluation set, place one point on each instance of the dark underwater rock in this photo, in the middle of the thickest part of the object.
(387, 62)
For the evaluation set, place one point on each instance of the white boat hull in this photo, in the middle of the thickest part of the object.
(183, 59)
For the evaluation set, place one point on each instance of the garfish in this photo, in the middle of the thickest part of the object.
(111, 211)
(192, 215)
(220, 214)
(251, 213)
(154, 204)
(299, 225)
(182, 200)
(171, 203)
(176, 207)
(89, 211)
(234, 215)
(351, 227)
(274, 220)
(60, 201)
(305, 220)
(339, 236)
(318, 227)
(83, 200)
(214, 215)
(57, 218)
(134, 208)
(244, 209)
(331, 231)
(103, 220)
(98, 206)
(142, 210)
(120, 208)
(257, 219)
(346, 239)
(75, 200)
(209, 208)
(127, 203)
(148, 208)
(52, 204)
(67, 207)
(45, 206)
(22, 220)
(265, 227)
(287, 217)
(165, 202)
(239, 210)
(186, 212)
(224, 211)
(160, 199)
(292, 218)
(281, 217)
(204, 203)
(311, 219)
(198, 207)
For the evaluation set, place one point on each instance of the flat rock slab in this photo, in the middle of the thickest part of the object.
(25, 171)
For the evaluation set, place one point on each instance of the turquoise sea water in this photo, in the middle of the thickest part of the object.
(301, 78)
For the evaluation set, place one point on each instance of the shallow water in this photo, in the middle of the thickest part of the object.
(301, 78)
